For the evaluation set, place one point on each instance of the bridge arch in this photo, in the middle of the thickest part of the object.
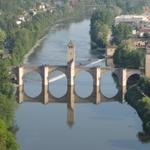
(85, 77)
(131, 72)
(132, 76)
(57, 77)
(108, 78)
(32, 84)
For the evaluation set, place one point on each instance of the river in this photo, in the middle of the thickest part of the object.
(107, 126)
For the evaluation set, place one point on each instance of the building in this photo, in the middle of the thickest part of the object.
(143, 31)
(20, 19)
(131, 19)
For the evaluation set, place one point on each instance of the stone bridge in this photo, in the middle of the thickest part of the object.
(71, 71)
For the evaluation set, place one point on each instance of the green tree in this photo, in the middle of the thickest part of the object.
(6, 87)
(7, 139)
(121, 32)
(2, 38)
(127, 56)
(7, 109)
(101, 21)
(144, 84)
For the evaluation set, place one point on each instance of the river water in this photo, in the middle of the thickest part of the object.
(107, 126)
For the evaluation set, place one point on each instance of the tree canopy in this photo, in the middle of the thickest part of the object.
(2, 38)
(7, 108)
(127, 56)
(121, 32)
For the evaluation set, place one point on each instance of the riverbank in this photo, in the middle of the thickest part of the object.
(38, 43)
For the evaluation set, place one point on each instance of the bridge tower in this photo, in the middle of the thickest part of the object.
(147, 61)
(71, 63)
(71, 74)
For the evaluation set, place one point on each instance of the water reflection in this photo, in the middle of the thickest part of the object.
(71, 98)
(70, 117)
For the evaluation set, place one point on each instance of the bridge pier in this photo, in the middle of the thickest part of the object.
(45, 92)
(20, 76)
(20, 94)
(71, 97)
(70, 117)
(97, 85)
(123, 83)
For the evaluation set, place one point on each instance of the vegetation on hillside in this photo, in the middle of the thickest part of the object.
(127, 56)
(2, 38)
(7, 109)
(138, 96)
(101, 22)
(127, 6)
(121, 32)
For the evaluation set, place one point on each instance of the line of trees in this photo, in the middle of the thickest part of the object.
(128, 56)
(127, 6)
(100, 27)
(121, 32)
(7, 110)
